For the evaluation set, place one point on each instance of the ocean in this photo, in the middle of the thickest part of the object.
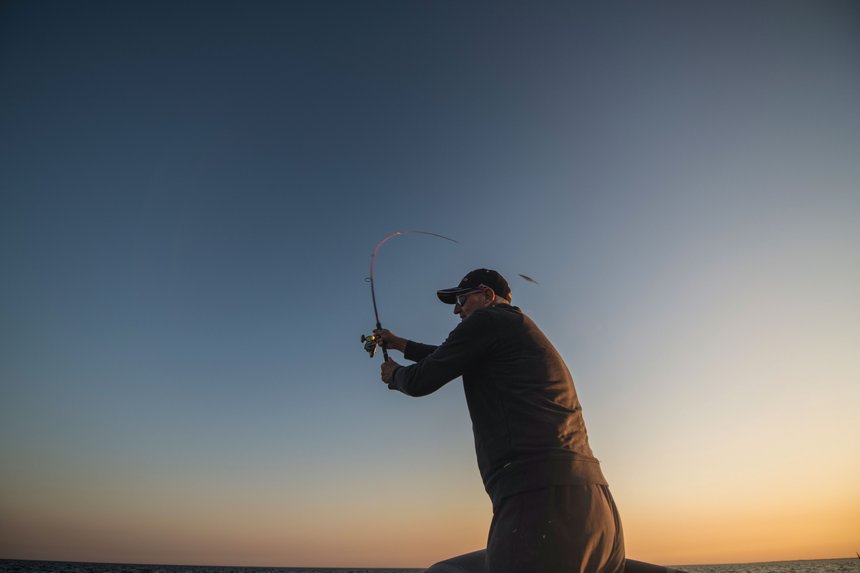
(810, 566)
(15, 566)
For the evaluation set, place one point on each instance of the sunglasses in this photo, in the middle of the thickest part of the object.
(461, 298)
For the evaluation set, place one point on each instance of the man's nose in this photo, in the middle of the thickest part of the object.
(456, 308)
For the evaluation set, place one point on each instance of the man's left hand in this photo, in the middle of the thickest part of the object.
(388, 369)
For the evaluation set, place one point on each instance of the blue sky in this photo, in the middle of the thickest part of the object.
(191, 193)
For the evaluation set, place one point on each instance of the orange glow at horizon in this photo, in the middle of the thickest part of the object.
(406, 540)
(415, 534)
(739, 535)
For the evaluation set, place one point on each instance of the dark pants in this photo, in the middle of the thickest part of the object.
(559, 529)
(565, 528)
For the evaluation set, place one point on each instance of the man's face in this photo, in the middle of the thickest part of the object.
(471, 302)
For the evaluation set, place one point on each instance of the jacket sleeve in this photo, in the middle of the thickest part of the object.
(466, 344)
(416, 351)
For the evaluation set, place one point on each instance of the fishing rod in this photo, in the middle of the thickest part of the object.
(373, 340)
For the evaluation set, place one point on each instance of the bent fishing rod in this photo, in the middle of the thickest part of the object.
(372, 341)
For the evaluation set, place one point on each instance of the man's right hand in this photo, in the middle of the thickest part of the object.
(391, 340)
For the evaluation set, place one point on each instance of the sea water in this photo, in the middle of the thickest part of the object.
(16, 566)
(812, 566)
(13, 566)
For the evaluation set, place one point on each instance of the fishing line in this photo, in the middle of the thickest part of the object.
(372, 341)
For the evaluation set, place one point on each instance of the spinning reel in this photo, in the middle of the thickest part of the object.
(371, 343)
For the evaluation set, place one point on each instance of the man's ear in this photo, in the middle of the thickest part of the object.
(489, 294)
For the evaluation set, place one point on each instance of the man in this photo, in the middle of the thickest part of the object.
(552, 510)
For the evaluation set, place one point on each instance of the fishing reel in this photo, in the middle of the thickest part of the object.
(371, 343)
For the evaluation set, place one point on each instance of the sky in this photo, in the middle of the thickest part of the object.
(190, 193)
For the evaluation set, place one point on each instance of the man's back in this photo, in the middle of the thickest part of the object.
(526, 417)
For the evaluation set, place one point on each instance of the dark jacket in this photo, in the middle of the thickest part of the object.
(526, 418)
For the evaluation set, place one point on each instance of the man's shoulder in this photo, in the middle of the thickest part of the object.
(496, 316)
(502, 310)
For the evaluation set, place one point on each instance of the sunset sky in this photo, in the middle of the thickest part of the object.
(190, 193)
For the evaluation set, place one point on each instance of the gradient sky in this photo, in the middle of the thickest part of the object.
(191, 192)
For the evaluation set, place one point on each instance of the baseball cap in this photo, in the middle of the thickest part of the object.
(473, 280)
